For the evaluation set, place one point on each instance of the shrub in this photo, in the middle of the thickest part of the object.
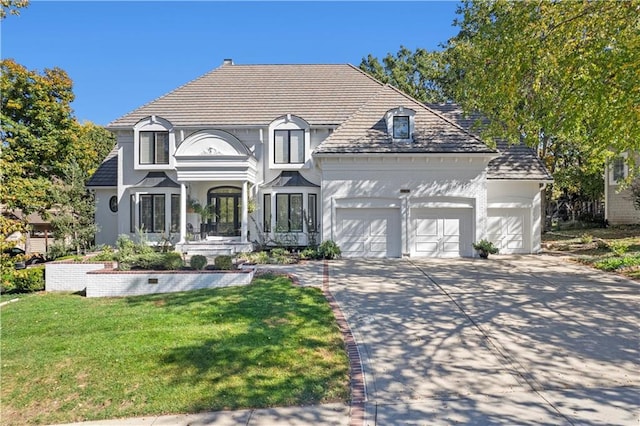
(57, 249)
(309, 253)
(280, 256)
(172, 261)
(23, 280)
(198, 262)
(586, 238)
(261, 258)
(329, 250)
(149, 261)
(618, 247)
(224, 263)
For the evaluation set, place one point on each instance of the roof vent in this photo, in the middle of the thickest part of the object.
(227, 61)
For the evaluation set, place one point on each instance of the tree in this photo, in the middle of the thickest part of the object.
(11, 7)
(73, 210)
(38, 132)
(561, 72)
(41, 138)
(419, 74)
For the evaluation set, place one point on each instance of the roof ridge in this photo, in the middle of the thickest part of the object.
(167, 94)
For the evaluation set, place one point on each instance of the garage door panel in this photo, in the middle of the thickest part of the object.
(426, 227)
(441, 232)
(508, 228)
(368, 232)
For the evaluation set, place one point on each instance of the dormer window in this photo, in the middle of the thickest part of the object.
(289, 146)
(400, 124)
(154, 147)
(154, 144)
(401, 127)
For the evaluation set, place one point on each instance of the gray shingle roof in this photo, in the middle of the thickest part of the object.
(517, 162)
(366, 130)
(107, 173)
(258, 94)
(157, 180)
(290, 178)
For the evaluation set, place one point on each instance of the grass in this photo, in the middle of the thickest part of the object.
(614, 249)
(66, 358)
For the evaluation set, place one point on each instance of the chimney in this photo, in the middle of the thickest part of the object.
(227, 62)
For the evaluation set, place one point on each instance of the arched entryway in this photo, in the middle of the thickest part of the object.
(226, 205)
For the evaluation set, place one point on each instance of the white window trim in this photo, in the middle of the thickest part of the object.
(288, 122)
(400, 112)
(153, 124)
(167, 209)
(612, 180)
(305, 191)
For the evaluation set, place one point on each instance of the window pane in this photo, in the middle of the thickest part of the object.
(401, 127)
(158, 213)
(295, 213)
(162, 148)
(618, 169)
(146, 147)
(175, 213)
(132, 213)
(313, 213)
(281, 146)
(282, 212)
(146, 213)
(297, 146)
(266, 220)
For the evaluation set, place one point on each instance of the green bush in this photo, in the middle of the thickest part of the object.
(172, 261)
(149, 261)
(618, 247)
(586, 238)
(23, 280)
(57, 250)
(224, 263)
(329, 250)
(309, 253)
(280, 256)
(198, 262)
(613, 263)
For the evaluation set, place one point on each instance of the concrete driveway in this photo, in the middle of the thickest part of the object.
(518, 340)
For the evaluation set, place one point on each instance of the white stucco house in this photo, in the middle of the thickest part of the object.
(293, 152)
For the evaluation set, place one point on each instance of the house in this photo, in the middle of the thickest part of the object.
(619, 208)
(293, 154)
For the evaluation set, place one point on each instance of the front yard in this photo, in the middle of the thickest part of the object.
(614, 249)
(68, 358)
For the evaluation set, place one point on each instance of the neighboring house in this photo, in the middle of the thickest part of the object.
(618, 204)
(40, 236)
(294, 153)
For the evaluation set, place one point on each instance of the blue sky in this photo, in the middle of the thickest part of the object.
(121, 55)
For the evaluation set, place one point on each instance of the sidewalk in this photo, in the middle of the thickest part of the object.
(317, 415)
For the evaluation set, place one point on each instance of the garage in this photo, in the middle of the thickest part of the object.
(441, 232)
(368, 232)
(507, 229)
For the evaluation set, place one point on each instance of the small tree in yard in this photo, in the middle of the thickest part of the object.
(74, 208)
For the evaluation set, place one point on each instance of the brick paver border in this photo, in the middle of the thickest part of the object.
(356, 374)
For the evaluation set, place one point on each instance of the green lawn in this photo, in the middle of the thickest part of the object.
(68, 358)
(614, 249)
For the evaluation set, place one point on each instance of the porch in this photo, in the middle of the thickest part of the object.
(214, 246)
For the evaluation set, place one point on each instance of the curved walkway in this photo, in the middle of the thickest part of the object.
(525, 340)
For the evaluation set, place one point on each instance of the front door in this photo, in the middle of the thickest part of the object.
(225, 203)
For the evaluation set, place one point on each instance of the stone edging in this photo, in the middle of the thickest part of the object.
(356, 374)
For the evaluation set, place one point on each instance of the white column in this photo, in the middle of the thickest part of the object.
(244, 228)
(183, 213)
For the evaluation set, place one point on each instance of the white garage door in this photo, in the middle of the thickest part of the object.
(508, 229)
(441, 232)
(368, 232)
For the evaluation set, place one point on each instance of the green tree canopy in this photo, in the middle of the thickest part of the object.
(419, 74)
(562, 72)
(11, 7)
(46, 156)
